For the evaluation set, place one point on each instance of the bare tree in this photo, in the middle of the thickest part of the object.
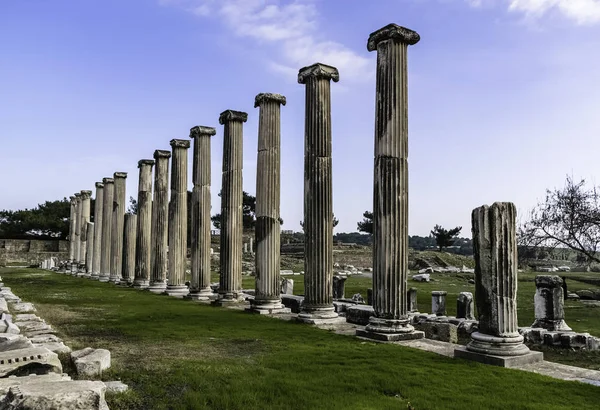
(568, 217)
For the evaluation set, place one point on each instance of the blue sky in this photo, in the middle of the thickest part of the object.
(504, 95)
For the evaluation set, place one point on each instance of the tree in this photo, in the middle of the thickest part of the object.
(444, 237)
(366, 225)
(568, 217)
(248, 213)
(49, 220)
(335, 222)
(133, 206)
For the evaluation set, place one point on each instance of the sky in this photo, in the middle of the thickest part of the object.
(504, 95)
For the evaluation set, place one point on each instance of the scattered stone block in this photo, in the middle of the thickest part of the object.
(45, 338)
(445, 332)
(91, 362)
(286, 272)
(23, 307)
(464, 306)
(357, 298)
(8, 382)
(9, 327)
(116, 387)
(359, 314)
(293, 302)
(66, 395)
(3, 306)
(14, 342)
(424, 277)
(26, 361)
(438, 302)
(56, 347)
(549, 303)
(33, 326)
(585, 294)
(27, 317)
(411, 300)
(287, 286)
(370, 296)
(339, 284)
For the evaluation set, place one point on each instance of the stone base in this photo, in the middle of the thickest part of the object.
(390, 337)
(202, 295)
(223, 300)
(558, 325)
(140, 284)
(502, 361)
(157, 287)
(103, 278)
(114, 279)
(177, 291)
(319, 316)
(267, 307)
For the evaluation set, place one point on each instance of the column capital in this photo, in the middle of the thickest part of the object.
(145, 162)
(108, 181)
(160, 153)
(86, 194)
(99, 185)
(175, 143)
(200, 130)
(72, 198)
(392, 32)
(231, 115)
(120, 175)
(268, 97)
(318, 70)
(77, 195)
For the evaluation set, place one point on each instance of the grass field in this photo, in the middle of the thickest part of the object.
(176, 354)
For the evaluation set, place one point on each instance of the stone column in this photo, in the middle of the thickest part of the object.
(200, 284)
(390, 187)
(549, 304)
(84, 220)
(77, 260)
(97, 254)
(72, 226)
(160, 223)
(267, 297)
(339, 287)
(118, 221)
(318, 202)
(438, 302)
(230, 277)
(107, 202)
(144, 225)
(498, 341)
(464, 306)
(89, 261)
(178, 219)
(129, 237)
(412, 300)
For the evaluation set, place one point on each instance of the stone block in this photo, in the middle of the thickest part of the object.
(438, 302)
(14, 342)
(45, 338)
(116, 387)
(8, 382)
(23, 307)
(340, 306)
(339, 284)
(27, 317)
(33, 326)
(359, 314)
(502, 361)
(423, 277)
(574, 340)
(64, 395)
(293, 302)
(26, 361)
(91, 362)
(3, 306)
(287, 286)
(464, 306)
(552, 338)
(444, 332)
(411, 300)
(9, 327)
(56, 347)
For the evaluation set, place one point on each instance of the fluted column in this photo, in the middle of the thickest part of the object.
(144, 225)
(160, 222)
(318, 201)
(267, 297)
(98, 209)
(200, 284)
(390, 187)
(107, 201)
(129, 237)
(72, 225)
(178, 219)
(77, 260)
(118, 221)
(230, 276)
(84, 220)
(89, 260)
(497, 340)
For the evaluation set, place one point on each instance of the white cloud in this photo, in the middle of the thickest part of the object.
(583, 12)
(289, 26)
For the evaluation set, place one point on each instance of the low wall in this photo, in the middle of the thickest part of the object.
(31, 251)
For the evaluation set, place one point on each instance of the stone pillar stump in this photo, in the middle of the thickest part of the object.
(549, 304)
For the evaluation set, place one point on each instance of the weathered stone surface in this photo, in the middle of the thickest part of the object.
(339, 286)
(438, 303)
(118, 224)
(412, 300)
(30, 360)
(3, 306)
(84, 219)
(293, 302)
(116, 387)
(89, 260)
(56, 347)
(443, 331)
(44, 338)
(14, 342)
(287, 286)
(23, 307)
(160, 222)
(98, 224)
(144, 225)
(464, 306)
(7, 383)
(64, 395)
(107, 203)
(72, 226)
(549, 303)
(359, 314)
(129, 239)
(33, 326)
(91, 362)
(423, 277)
(76, 237)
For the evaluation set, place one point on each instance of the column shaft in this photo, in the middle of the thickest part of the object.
(83, 235)
(129, 239)
(118, 221)
(77, 230)
(72, 225)
(144, 225)
(98, 209)
(107, 202)
(89, 261)
(160, 222)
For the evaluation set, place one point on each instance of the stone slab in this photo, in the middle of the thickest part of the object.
(23, 307)
(64, 395)
(502, 361)
(279, 311)
(26, 361)
(14, 342)
(91, 362)
(116, 387)
(56, 347)
(359, 314)
(27, 317)
(8, 382)
(45, 338)
(389, 337)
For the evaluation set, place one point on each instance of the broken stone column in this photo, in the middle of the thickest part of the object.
(339, 287)
(438, 302)
(230, 277)
(549, 303)
(160, 223)
(178, 219)
(107, 202)
(144, 225)
(118, 220)
(98, 211)
(72, 225)
(129, 239)
(390, 188)
(318, 201)
(89, 234)
(287, 286)
(84, 219)
(267, 297)
(498, 341)
(200, 284)
(77, 260)
(464, 306)
(412, 300)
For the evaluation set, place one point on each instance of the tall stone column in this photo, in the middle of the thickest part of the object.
(89, 260)
(77, 260)
(390, 187)
(129, 237)
(144, 225)
(98, 209)
(118, 221)
(107, 201)
(267, 297)
(200, 284)
(84, 220)
(160, 222)
(318, 202)
(178, 219)
(230, 277)
(497, 341)
(72, 226)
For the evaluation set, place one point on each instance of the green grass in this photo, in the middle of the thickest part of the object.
(176, 354)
